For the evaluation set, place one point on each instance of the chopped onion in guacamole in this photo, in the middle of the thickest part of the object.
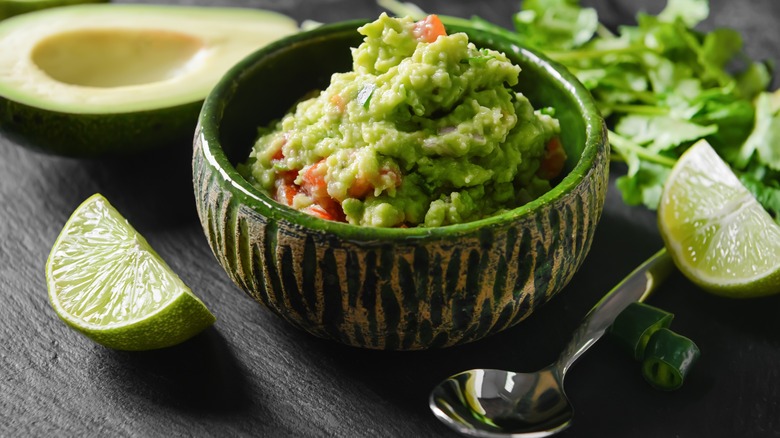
(425, 131)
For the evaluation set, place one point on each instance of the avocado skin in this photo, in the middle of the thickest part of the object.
(9, 8)
(97, 135)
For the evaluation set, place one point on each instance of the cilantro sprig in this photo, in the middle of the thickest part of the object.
(663, 85)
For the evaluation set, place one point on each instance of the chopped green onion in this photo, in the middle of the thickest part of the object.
(668, 359)
(365, 93)
(635, 325)
(478, 60)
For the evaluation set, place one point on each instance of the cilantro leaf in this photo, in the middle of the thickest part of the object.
(661, 133)
(555, 24)
(768, 150)
(644, 185)
(766, 189)
(690, 12)
(766, 134)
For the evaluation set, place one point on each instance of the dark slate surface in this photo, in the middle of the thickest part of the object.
(253, 375)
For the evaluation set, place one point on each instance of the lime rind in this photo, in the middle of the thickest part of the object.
(107, 282)
(161, 330)
(716, 231)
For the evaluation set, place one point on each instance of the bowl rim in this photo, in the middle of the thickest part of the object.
(213, 107)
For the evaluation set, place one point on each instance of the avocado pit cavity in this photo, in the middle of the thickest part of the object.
(116, 57)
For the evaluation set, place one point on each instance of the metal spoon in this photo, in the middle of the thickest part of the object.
(497, 403)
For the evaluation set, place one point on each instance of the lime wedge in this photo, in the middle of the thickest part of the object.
(107, 282)
(715, 230)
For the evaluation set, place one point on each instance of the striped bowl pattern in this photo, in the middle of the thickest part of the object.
(405, 295)
(391, 289)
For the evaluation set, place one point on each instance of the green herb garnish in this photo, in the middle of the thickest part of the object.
(663, 85)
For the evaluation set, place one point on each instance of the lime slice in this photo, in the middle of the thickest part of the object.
(717, 233)
(107, 282)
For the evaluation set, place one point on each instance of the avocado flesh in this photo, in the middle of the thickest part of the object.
(102, 79)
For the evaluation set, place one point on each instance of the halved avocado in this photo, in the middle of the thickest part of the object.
(9, 8)
(107, 79)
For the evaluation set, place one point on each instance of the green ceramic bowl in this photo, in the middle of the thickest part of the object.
(393, 289)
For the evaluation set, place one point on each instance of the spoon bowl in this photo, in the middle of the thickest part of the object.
(497, 403)
(523, 404)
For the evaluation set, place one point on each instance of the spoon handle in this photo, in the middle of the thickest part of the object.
(637, 286)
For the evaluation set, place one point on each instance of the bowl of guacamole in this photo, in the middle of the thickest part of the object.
(424, 130)
(399, 184)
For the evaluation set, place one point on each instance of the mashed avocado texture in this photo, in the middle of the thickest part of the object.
(425, 131)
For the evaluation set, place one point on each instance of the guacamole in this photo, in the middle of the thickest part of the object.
(425, 131)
